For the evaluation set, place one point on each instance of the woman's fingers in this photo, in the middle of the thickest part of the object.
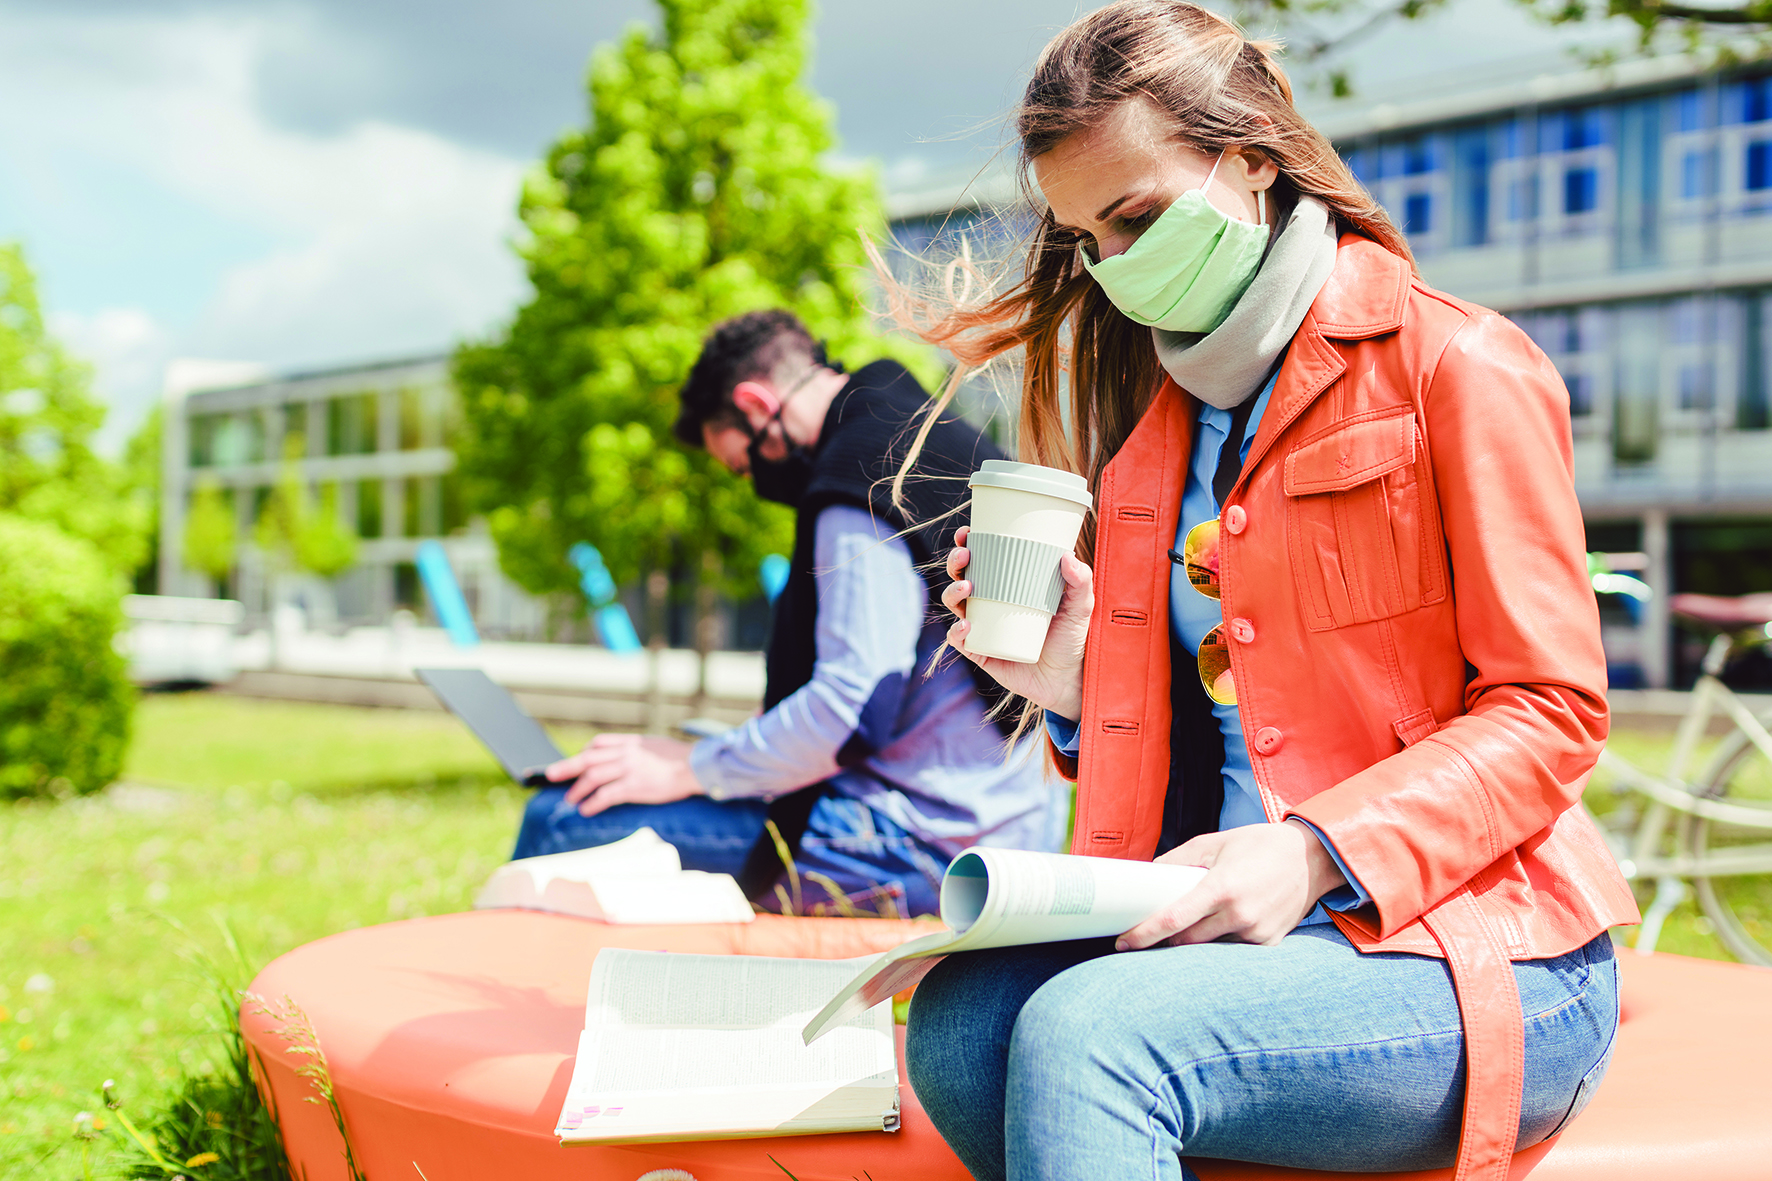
(1189, 918)
(1079, 588)
(1176, 918)
(957, 638)
(955, 595)
(957, 559)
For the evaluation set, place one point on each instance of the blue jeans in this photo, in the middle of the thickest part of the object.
(878, 866)
(1069, 1060)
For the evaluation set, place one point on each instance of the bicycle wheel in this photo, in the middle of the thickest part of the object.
(1730, 841)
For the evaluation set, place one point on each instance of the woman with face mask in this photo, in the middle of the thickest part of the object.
(1328, 634)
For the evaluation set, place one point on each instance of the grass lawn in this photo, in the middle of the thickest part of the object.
(288, 821)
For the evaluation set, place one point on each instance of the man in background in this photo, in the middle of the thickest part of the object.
(875, 769)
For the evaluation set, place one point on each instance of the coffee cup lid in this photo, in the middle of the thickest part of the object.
(1032, 477)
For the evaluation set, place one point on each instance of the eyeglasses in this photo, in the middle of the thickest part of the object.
(1199, 557)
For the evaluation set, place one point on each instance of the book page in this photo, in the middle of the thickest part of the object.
(681, 1045)
(677, 990)
(1008, 897)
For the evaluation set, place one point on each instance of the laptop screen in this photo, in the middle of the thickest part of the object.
(515, 739)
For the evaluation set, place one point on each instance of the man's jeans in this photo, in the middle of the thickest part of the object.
(867, 857)
(1070, 1060)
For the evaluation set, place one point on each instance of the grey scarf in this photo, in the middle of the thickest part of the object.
(1226, 366)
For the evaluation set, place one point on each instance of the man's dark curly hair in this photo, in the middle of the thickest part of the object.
(750, 347)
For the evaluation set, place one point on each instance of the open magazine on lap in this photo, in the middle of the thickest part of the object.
(1007, 897)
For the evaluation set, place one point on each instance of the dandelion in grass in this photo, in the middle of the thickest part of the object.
(201, 1159)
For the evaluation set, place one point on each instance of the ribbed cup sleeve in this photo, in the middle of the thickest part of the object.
(1015, 570)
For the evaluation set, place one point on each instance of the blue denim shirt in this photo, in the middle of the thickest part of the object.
(911, 743)
(1193, 615)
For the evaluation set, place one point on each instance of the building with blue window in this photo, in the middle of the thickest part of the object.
(1623, 218)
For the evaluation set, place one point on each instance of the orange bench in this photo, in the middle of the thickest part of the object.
(451, 1041)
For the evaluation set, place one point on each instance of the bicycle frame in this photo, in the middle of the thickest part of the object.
(1672, 795)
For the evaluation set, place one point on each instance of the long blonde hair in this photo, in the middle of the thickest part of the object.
(1220, 92)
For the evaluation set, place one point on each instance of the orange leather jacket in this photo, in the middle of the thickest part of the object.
(1413, 636)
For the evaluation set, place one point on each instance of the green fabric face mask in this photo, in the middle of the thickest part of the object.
(1187, 270)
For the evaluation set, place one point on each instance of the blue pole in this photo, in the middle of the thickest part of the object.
(445, 594)
(614, 627)
(773, 574)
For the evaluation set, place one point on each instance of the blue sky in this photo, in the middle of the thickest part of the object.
(312, 182)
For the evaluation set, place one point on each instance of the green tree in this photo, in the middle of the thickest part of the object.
(211, 538)
(700, 190)
(48, 470)
(296, 535)
(66, 700)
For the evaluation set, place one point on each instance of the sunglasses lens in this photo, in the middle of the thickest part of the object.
(1215, 668)
(1200, 554)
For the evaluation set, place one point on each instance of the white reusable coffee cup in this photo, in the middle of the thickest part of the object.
(1025, 518)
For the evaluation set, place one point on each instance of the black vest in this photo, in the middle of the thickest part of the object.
(866, 435)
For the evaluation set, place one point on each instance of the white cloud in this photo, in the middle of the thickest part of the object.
(407, 249)
(128, 350)
(383, 240)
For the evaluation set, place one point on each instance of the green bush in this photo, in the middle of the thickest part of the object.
(65, 697)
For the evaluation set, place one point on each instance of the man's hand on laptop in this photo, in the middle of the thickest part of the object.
(626, 769)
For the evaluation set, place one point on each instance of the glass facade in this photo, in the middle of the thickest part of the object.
(1630, 235)
(1670, 190)
(1612, 169)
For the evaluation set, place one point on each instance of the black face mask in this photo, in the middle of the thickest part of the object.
(782, 480)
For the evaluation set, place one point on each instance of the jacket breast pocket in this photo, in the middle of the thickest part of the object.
(1362, 522)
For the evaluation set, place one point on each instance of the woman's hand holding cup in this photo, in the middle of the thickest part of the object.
(1055, 682)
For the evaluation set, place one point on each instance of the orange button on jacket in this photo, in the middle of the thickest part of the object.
(1419, 674)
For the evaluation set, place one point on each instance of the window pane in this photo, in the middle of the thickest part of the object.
(1692, 175)
(1581, 190)
(1522, 199)
(1759, 166)
(1581, 394)
(1756, 100)
(1417, 213)
(1695, 387)
(1690, 111)
(369, 508)
(1419, 156)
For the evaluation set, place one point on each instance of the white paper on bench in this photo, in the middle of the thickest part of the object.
(680, 1046)
(638, 879)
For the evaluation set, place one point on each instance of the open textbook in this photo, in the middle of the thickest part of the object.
(638, 879)
(1005, 897)
(697, 1047)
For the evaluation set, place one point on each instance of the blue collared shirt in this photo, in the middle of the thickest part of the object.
(1192, 615)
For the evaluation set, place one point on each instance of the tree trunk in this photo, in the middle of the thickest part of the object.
(658, 589)
(706, 624)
